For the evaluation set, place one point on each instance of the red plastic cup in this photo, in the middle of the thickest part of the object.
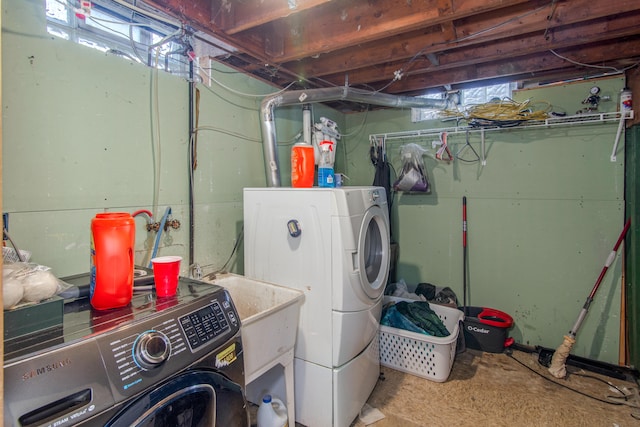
(166, 270)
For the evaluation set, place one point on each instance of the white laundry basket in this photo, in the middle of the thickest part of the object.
(418, 354)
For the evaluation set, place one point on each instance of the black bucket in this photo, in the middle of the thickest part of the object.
(485, 329)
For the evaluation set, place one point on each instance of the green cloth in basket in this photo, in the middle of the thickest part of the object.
(415, 316)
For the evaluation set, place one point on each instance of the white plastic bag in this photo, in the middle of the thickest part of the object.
(30, 282)
(413, 176)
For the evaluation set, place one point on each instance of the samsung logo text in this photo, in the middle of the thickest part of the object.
(46, 369)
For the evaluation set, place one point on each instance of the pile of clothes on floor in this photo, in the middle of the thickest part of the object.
(424, 292)
(412, 312)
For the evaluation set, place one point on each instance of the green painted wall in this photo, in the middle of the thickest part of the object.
(77, 125)
(543, 215)
(78, 140)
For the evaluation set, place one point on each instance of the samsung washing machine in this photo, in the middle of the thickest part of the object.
(332, 244)
(171, 362)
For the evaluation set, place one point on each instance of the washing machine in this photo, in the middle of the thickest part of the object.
(332, 244)
(174, 361)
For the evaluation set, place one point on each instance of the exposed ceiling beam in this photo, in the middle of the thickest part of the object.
(233, 16)
(434, 41)
(518, 68)
(297, 44)
(527, 44)
(346, 23)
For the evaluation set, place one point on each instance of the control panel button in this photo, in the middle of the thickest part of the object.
(206, 325)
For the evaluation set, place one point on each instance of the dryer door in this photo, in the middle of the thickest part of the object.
(198, 398)
(373, 251)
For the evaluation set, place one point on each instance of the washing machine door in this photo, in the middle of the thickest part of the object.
(198, 398)
(374, 251)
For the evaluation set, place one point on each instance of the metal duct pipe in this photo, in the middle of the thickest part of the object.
(344, 93)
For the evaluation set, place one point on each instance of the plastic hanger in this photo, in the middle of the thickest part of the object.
(466, 146)
(444, 149)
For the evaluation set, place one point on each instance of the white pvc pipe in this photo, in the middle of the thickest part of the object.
(306, 124)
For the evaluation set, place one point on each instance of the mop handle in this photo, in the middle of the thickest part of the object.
(610, 259)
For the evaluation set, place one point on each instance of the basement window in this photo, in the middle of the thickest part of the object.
(461, 99)
(114, 27)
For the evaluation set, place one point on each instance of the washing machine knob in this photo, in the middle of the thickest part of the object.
(151, 349)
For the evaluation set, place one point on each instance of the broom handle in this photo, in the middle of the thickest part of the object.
(610, 259)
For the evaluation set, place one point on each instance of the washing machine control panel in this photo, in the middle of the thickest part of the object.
(139, 356)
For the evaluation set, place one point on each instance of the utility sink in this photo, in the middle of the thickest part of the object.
(269, 320)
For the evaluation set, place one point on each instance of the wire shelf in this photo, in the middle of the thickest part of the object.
(579, 119)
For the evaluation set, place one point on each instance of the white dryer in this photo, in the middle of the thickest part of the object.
(333, 244)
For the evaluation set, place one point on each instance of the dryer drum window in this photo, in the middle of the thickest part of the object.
(373, 251)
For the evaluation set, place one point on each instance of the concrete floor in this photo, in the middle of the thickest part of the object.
(488, 389)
